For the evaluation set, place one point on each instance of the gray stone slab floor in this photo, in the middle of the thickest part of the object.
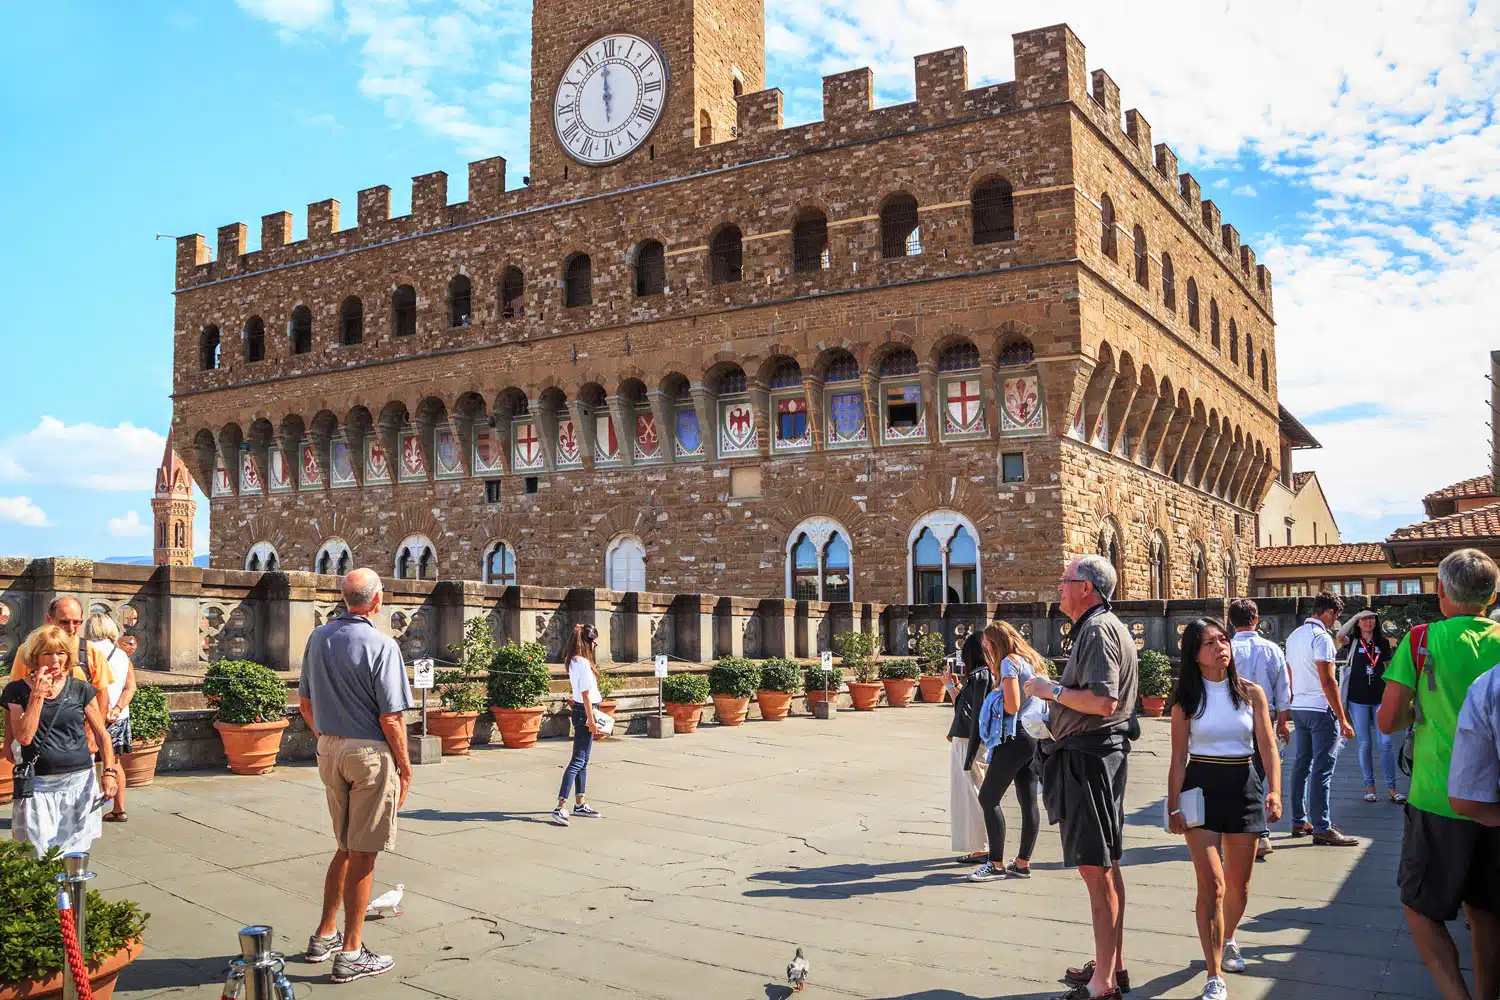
(720, 852)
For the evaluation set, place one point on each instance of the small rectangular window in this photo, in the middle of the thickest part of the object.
(1013, 468)
(531, 485)
(492, 491)
(1389, 587)
(744, 481)
(1411, 586)
(791, 426)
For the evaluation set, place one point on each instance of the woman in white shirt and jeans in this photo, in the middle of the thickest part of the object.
(102, 630)
(583, 677)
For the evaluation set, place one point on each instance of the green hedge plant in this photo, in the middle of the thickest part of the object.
(857, 654)
(930, 651)
(243, 692)
(899, 670)
(457, 693)
(812, 678)
(777, 674)
(30, 939)
(149, 718)
(1155, 674)
(685, 689)
(734, 677)
(608, 684)
(519, 677)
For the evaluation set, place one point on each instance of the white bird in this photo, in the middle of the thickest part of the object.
(797, 970)
(387, 904)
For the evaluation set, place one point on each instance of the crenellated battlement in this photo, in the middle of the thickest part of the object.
(1051, 70)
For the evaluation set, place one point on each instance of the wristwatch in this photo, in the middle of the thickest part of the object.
(1057, 690)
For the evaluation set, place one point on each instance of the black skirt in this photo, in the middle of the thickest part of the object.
(1234, 799)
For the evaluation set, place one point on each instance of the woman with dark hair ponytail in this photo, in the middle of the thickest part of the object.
(1218, 721)
(583, 677)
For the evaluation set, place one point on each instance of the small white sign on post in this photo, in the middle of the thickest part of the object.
(827, 662)
(422, 673)
(659, 662)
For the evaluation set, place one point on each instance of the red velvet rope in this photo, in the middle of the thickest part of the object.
(72, 951)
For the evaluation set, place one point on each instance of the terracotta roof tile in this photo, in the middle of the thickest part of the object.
(1479, 486)
(1481, 522)
(1320, 555)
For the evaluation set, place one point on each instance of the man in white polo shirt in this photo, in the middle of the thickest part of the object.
(1320, 721)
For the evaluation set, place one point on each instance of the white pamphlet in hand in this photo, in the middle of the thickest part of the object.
(1191, 804)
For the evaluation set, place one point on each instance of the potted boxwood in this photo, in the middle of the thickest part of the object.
(149, 721)
(462, 699)
(31, 954)
(1155, 678)
(778, 680)
(900, 680)
(857, 655)
(250, 705)
(685, 695)
(608, 684)
(817, 686)
(930, 658)
(731, 682)
(519, 681)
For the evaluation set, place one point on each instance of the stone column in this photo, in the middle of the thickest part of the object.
(587, 606)
(778, 628)
(583, 423)
(624, 416)
(729, 639)
(637, 608)
(706, 403)
(665, 412)
(178, 628)
(695, 627)
(289, 617)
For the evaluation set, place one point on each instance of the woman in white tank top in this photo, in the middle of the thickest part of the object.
(1219, 723)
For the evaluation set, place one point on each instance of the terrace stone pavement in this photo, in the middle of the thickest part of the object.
(718, 854)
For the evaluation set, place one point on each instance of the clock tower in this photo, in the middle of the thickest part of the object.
(623, 91)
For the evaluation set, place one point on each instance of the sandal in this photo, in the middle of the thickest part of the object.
(1370, 797)
(1397, 799)
(117, 818)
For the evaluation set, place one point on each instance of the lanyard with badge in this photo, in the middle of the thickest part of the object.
(1372, 659)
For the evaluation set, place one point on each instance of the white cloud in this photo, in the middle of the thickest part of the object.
(128, 526)
(22, 511)
(291, 15)
(83, 455)
(1245, 191)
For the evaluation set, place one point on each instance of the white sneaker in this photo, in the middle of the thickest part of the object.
(559, 817)
(1233, 961)
(1215, 989)
(987, 872)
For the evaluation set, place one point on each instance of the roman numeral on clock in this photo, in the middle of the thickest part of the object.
(609, 48)
(587, 149)
(586, 59)
(569, 132)
(651, 87)
(646, 113)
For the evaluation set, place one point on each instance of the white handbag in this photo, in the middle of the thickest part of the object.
(603, 723)
(1190, 801)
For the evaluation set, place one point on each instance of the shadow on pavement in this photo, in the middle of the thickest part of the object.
(445, 816)
(845, 881)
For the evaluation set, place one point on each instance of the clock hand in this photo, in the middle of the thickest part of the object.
(606, 92)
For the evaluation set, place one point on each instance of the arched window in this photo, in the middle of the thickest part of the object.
(208, 348)
(705, 128)
(512, 292)
(943, 560)
(837, 570)
(255, 340)
(726, 255)
(1142, 261)
(1168, 283)
(1017, 353)
(900, 236)
(1200, 573)
(899, 363)
(1107, 544)
(1192, 303)
(804, 570)
(352, 321)
(500, 565)
(992, 210)
(650, 269)
(1265, 370)
(416, 559)
(959, 357)
(161, 535)
(1107, 228)
(1157, 556)
(262, 558)
(578, 281)
(739, 87)
(1249, 355)
(179, 535)
(301, 330)
(901, 397)
(1213, 322)
(625, 564)
(810, 241)
(818, 563)
(1234, 343)
(333, 558)
(404, 311)
(460, 300)
(841, 368)
(1231, 574)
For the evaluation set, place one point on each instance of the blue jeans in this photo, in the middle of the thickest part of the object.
(583, 741)
(1362, 717)
(1315, 750)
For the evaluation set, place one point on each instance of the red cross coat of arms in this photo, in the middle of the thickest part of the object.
(528, 453)
(964, 410)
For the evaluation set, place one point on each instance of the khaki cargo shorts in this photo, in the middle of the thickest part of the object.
(359, 777)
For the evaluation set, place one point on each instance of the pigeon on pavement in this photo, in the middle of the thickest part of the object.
(387, 904)
(797, 970)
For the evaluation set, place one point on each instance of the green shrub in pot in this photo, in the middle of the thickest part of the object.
(857, 654)
(930, 652)
(899, 670)
(1155, 674)
(734, 677)
(519, 677)
(242, 692)
(685, 689)
(813, 678)
(149, 718)
(777, 674)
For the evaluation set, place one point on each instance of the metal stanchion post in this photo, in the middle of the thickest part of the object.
(74, 880)
(258, 974)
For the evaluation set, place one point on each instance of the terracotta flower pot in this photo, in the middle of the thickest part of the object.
(730, 711)
(931, 686)
(865, 695)
(774, 705)
(251, 746)
(454, 729)
(518, 726)
(6, 787)
(101, 978)
(1153, 704)
(814, 696)
(608, 706)
(684, 717)
(139, 764)
(898, 692)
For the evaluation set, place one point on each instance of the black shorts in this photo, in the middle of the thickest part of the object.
(1446, 862)
(1093, 821)
(1233, 796)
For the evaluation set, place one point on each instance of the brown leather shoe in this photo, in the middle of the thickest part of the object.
(1334, 838)
(1301, 831)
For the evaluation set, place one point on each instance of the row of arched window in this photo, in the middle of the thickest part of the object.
(1142, 271)
(1159, 568)
(943, 565)
(992, 218)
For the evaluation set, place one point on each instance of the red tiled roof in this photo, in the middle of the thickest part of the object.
(1481, 522)
(1479, 486)
(1320, 555)
(1299, 480)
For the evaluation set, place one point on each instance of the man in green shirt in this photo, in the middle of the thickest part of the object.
(1446, 860)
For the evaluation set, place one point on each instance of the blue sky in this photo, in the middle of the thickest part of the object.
(1358, 151)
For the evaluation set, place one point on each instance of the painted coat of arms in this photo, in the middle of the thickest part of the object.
(1023, 404)
(446, 442)
(377, 462)
(647, 441)
(249, 474)
(963, 410)
(486, 451)
(568, 452)
(413, 466)
(343, 464)
(606, 442)
(280, 475)
(527, 449)
(222, 487)
(312, 472)
(846, 413)
(689, 434)
(736, 428)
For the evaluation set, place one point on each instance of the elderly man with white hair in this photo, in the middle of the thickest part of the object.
(352, 694)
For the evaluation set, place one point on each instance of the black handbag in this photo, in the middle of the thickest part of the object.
(23, 777)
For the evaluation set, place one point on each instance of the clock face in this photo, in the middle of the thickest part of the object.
(610, 98)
